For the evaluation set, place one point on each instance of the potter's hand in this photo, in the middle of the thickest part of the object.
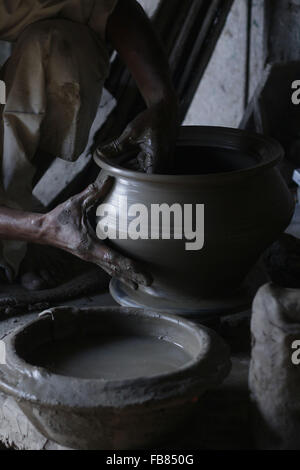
(152, 135)
(68, 229)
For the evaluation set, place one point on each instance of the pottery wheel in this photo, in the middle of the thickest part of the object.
(204, 308)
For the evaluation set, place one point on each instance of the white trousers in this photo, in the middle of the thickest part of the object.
(54, 80)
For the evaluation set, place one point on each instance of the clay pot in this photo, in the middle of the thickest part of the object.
(81, 411)
(246, 206)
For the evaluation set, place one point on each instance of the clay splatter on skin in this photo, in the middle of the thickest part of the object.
(65, 217)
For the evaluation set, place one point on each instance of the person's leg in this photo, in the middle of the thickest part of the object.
(20, 128)
(54, 82)
(77, 67)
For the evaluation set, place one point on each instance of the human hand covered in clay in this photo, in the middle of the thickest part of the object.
(152, 136)
(68, 228)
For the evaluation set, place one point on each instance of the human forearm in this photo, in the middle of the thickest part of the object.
(152, 134)
(22, 226)
(66, 227)
(131, 33)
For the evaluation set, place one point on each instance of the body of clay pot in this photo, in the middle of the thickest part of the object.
(246, 206)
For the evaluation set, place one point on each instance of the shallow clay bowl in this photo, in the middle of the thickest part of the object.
(83, 399)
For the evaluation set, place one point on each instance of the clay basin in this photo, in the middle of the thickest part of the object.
(247, 205)
(111, 378)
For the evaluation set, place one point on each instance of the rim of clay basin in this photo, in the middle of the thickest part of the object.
(267, 150)
(38, 385)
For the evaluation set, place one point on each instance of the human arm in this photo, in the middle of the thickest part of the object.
(153, 132)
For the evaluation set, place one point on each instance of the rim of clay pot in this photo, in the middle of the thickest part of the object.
(267, 150)
(36, 384)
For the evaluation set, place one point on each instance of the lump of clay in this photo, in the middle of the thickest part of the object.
(282, 261)
(274, 379)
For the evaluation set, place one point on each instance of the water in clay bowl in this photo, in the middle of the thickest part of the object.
(247, 205)
(100, 378)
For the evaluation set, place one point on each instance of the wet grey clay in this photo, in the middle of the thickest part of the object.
(246, 206)
(111, 378)
(275, 368)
